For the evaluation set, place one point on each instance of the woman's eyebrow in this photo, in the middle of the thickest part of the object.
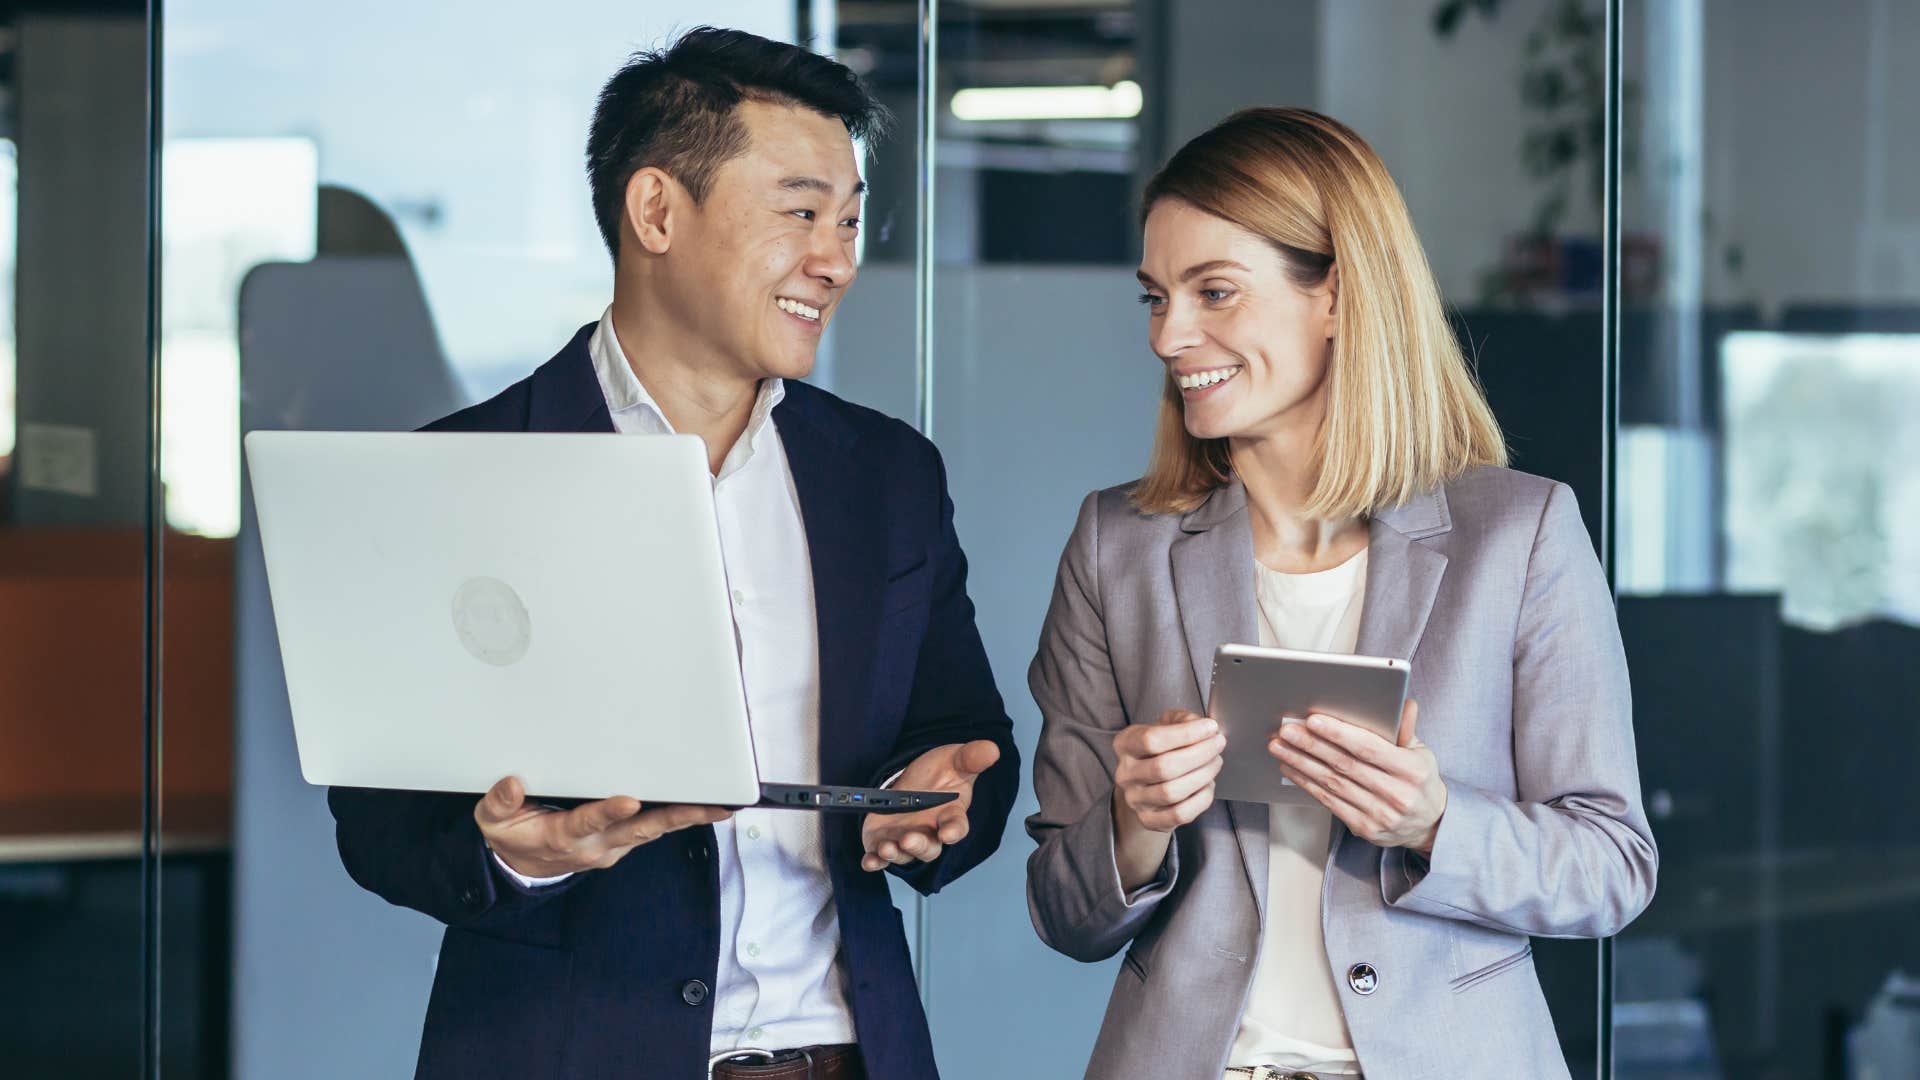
(1197, 269)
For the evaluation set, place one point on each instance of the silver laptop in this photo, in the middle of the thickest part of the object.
(455, 608)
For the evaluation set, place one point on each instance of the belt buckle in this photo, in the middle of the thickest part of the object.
(766, 1057)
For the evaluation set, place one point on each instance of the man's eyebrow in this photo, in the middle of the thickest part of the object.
(817, 185)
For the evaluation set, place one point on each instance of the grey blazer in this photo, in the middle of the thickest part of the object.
(1490, 586)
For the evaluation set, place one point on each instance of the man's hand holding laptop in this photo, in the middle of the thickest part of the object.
(540, 842)
(900, 839)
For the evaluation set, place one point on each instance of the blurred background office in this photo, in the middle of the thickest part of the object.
(1681, 237)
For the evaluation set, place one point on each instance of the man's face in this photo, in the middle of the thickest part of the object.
(760, 266)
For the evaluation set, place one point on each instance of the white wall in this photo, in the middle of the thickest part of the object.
(477, 110)
(1813, 161)
(1446, 117)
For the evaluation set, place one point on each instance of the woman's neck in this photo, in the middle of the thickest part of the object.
(1279, 472)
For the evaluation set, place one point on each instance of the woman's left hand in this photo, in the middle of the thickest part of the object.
(1387, 793)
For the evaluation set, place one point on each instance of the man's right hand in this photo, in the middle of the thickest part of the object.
(538, 842)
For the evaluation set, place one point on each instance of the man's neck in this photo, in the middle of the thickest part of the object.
(684, 379)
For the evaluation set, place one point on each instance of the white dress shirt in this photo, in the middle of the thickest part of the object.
(1293, 1019)
(780, 983)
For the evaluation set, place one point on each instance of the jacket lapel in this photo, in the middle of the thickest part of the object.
(1403, 576)
(844, 548)
(1214, 589)
(565, 394)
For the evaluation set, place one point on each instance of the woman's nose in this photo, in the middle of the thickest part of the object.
(1173, 333)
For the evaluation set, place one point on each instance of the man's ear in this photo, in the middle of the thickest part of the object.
(653, 204)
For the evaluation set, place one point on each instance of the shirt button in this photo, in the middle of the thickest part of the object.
(693, 992)
(753, 832)
(753, 950)
(739, 597)
(756, 1034)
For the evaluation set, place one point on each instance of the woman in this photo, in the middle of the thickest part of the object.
(1326, 476)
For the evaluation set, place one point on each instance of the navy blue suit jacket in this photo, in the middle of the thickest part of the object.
(607, 973)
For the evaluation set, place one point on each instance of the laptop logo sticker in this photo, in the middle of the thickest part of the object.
(491, 621)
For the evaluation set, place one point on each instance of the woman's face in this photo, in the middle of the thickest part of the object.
(1247, 347)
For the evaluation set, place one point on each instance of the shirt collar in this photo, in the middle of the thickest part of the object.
(626, 394)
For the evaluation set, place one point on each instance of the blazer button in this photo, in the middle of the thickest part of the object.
(1363, 979)
(694, 992)
(697, 853)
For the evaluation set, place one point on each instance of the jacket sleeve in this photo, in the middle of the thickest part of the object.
(953, 700)
(1074, 893)
(423, 850)
(1572, 854)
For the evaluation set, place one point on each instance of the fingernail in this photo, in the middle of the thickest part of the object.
(1212, 726)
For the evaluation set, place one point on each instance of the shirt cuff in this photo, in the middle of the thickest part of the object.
(1155, 887)
(521, 879)
(888, 782)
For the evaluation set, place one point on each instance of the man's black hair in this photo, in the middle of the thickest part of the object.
(675, 109)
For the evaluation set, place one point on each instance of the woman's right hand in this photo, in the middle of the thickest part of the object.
(1166, 770)
(1164, 779)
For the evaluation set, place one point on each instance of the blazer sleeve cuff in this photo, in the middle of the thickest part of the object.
(1109, 908)
(1441, 884)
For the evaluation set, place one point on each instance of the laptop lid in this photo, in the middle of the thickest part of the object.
(454, 608)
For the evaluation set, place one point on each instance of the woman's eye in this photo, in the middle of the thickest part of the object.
(1151, 300)
(1214, 296)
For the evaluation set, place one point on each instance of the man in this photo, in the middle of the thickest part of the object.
(616, 939)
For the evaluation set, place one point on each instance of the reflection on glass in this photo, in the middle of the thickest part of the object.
(1770, 541)
(231, 204)
(9, 198)
(74, 408)
(1820, 498)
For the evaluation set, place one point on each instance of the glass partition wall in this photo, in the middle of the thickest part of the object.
(1674, 237)
(79, 891)
(1769, 535)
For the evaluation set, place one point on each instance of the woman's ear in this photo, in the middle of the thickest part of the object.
(1332, 313)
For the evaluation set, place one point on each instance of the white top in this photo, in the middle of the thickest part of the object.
(1293, 1019)
(780, 984)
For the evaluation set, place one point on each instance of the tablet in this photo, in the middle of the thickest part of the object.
(1256, 689)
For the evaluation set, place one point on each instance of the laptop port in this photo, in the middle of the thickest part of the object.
(845, 798)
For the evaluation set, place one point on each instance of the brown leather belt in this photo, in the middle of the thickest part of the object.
(807, 1063)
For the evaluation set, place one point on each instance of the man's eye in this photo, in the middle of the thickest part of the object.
(804, 215)
(851, 223)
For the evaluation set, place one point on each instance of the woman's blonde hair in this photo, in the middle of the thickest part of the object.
(1404, 415)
